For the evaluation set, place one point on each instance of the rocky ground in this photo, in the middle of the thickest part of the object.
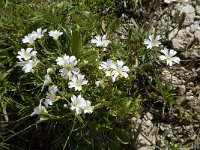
(180, 27)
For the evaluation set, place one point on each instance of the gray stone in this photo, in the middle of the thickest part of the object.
(189, 97)
(198, 10)
(180, 39)
(197, 35)
(190, 14)
(178, 44)
(182, 89)
(149, 116)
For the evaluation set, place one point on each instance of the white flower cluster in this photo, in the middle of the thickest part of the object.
(76, 80)
(68, 64)
(68, 70)
(50, 99)
(28, 59)
(51, 95)
(168, 55)
(80, 105)
(71, 72)
(100, 41)
(31, 37)
(38, 34)
(114, 69)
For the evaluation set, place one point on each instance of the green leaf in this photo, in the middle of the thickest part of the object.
(122, 135)
(115, 25)
(128, 104)
(76, 42)
(114, 145)
(79, 118)
(90, 55)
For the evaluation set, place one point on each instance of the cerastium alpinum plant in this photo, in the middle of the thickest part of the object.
(68, 87)
(78, 84)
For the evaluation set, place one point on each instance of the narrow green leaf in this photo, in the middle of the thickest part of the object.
(122, 135)
(76, 42)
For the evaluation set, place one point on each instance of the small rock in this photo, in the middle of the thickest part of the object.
(194, 54)
(189, 97)
(149, 123)
(190, 14)
(178, 44)
(190, 84)
(181, 39)
(194, 137)
(197, 35)
(189, 93)
(182, 89)
(197, 18)
(194, 27)
(198, 10)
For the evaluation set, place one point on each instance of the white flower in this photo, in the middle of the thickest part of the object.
(28, 66)
(119, 70)
(47, 79)
(55, 34)
(114, 69)
(87, 108)
(39, 109)
(100, 41)
(77, 104)
(49, 70)
(107, 67)
(53, 89)
(97, 83)
(39, 33)
(26, 54)
(68, 63)
(100, 83)
(30, 38)
(51, 94)
(49, 100)
(68, 74)
(169, 56)
(77, 81)
(152, 41)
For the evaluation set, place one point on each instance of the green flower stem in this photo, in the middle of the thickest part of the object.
(64, 147)
(59, 45)
(37, 75)
(21, 131)
(42, 45)
(63, 97)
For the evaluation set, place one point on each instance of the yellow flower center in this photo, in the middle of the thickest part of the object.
(78, 84)
(119, 71)
(69, 68)
(76, 104)
(168, 58)
(154, 43)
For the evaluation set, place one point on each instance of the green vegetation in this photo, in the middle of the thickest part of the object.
(58, 127)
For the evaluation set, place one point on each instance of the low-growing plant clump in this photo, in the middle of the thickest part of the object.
(71, 80)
